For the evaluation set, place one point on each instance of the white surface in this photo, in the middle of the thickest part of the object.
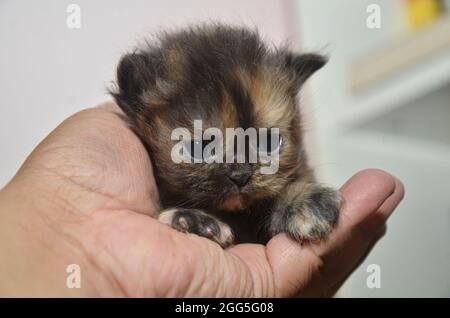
(414, 256)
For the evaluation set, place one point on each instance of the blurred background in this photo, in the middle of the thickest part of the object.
(382, 101)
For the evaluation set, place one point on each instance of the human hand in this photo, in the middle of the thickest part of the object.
(86, 195)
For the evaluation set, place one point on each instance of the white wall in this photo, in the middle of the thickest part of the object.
(400, 125)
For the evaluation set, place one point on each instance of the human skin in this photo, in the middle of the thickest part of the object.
(86, 195)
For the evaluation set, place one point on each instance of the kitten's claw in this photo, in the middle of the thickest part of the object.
(309, 216)
(198, 222)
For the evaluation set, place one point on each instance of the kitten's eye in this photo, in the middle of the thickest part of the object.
(195, 148)
(271, 145)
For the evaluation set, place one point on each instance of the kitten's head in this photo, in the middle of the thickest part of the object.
(227, 78)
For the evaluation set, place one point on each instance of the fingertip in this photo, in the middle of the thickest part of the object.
(399, 189)
(366, 192)
(393, 200)
(376, 178)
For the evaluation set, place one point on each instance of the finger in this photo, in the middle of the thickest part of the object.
(336, 286)
(294, 265)
(392, 202)
(376, 226)
(346, 255)
(364, 194)
(371, 226)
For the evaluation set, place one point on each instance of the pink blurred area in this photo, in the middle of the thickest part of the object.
(274, 18)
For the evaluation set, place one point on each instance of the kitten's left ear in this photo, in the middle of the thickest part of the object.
(304, 65)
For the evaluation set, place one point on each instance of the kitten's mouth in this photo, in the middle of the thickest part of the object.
(234, 202)
(240, 200)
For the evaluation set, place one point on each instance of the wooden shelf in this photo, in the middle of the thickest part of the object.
(401, 54)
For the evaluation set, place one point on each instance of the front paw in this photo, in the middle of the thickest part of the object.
(307, 215)
(198, 222)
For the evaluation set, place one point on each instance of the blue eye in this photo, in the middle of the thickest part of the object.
(271, 145)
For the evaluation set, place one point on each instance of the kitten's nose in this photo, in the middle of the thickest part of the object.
(239, 177)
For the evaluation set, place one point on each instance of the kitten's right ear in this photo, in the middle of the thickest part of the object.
(135, 74)
(304, 65)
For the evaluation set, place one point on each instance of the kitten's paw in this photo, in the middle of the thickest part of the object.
(308, 216)
(198, 222)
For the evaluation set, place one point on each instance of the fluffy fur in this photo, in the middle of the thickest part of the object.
(227, 77)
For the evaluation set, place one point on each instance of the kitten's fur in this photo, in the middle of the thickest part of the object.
(227, 77)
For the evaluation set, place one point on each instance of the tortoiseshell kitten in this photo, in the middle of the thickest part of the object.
(228, 78)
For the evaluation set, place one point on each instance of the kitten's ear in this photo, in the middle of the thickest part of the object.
(135, 74)
(304, 65)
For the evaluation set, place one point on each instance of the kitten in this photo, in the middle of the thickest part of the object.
(228, 78)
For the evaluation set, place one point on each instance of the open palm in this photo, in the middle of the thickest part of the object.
(94, 191)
